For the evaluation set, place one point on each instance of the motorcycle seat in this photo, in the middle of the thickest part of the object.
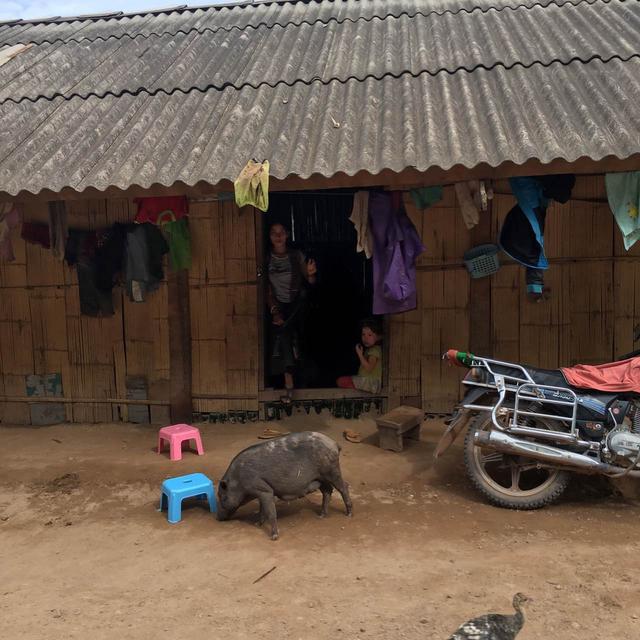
(555, 378)
(549, 377)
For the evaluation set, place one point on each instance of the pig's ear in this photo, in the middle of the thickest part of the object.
(223, 485)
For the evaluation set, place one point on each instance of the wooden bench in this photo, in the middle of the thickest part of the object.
(401, 422)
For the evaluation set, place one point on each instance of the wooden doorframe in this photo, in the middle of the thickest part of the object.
(326, 393)
(260, 298)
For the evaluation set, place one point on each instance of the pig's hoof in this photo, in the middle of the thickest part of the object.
(274, 536)
(349, 514)
(322, 514)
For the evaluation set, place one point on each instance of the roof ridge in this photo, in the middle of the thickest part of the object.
(518, 4)
(229, 29)
(370, 76)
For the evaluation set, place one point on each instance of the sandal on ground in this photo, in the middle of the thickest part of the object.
(352, 436)
(272, 433)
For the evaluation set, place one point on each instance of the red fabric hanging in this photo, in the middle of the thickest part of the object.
(612, 377)
(159, 210)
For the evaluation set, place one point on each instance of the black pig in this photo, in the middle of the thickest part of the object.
(287, 467)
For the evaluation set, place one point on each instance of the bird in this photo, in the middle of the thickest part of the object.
(494, 626)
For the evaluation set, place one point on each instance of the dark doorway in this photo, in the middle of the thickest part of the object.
(319, 226)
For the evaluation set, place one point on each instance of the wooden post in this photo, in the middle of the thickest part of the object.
(480, 341)
(180, 347)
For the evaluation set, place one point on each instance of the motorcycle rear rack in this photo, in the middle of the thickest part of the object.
(525, 389)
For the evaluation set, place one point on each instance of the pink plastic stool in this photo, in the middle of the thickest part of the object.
(175, 435)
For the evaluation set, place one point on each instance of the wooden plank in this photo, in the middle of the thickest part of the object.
(444, 302)
(14, 412)
(208, 312)
(16, 345)
(209, 367)
(120, 375)
(480, 291)
(14, 274)
(260, 231)
(207, 243)
(180, 347)
(505, 315)
(42, 267)
(92, 381)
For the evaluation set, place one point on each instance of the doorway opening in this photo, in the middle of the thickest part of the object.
(342, 296)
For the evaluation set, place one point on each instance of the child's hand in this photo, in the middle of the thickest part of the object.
(277, 320)
(359, 350)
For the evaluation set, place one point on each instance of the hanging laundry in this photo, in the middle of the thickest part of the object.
(522, 233)
(252, 185)
(558, 187)
(360, 219)
(109, 255)
(396, 245)
(623, 193)
(9, 220)
(473, 196)
(160, 210)
(179, 240)
(534, 279)
(35, 233)
(144, 249)
(58, 230)
(93, 301)
(170, 214)
(80, 253)
(424, 197)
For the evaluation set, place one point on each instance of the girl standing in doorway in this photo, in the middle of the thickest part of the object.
(289, 272)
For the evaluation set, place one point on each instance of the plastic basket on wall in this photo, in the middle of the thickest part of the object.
(482, 261)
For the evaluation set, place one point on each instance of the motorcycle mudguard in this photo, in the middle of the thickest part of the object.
(459, 422)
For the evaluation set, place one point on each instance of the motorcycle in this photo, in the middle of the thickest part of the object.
(529, 431)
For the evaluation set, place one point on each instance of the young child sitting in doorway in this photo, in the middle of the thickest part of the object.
(369, 353)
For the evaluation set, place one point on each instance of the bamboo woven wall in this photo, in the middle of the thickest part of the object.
(589, 316)
(42, 330)
(224, 307)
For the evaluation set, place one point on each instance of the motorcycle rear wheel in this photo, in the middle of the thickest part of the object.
(507, 481)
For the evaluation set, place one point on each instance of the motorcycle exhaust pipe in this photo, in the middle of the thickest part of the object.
(505, 443)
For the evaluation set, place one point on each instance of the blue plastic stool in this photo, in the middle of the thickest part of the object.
(175, 490)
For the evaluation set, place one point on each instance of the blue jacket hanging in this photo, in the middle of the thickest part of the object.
(522, 234)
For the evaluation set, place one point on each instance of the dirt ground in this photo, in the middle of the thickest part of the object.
(84, 553)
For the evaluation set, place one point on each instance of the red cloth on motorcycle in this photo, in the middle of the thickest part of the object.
(612, 377)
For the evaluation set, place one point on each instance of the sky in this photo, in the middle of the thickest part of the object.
(45, 8)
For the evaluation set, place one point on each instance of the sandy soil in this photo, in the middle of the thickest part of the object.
(87, 555)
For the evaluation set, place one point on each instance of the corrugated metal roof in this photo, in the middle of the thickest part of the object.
(488, 116)
(412, 83)
(332, 51)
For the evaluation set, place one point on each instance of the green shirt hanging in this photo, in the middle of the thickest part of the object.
(179, 241)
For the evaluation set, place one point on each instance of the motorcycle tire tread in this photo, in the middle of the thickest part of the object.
(549, 496)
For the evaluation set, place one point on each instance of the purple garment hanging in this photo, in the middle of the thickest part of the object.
(396, 247)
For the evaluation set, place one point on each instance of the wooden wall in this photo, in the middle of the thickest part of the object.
(588, 317)
(42, 330)
(224, 307)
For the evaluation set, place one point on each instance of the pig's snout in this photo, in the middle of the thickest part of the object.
(222, 514)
